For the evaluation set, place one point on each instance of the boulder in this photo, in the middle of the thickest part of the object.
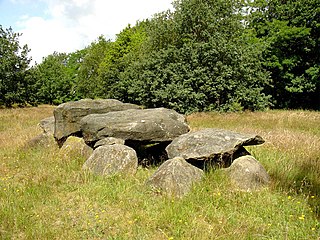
(68, 115)
(41, 140)
(212, 145)
(108, 141)
(113, 159)
(175, 177)
(75, 146)
(143, 125)
(248, 174)
(47, 125)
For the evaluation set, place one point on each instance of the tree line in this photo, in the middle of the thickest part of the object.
(206, 55)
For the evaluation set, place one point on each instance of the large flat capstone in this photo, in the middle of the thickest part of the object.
(211, 145)
(68, 115)
(145, 125)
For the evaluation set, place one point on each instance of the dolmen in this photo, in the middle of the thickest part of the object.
(122, 136)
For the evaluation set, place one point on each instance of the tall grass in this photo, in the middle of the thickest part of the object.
(46, 196)
(292, 149)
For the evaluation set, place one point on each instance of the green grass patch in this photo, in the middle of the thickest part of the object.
(46, 196)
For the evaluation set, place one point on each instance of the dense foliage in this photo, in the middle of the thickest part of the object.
(14, 79)
(224, 55)
(200, 58)
(291, 32)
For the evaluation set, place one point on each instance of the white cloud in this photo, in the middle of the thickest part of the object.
(73, 24)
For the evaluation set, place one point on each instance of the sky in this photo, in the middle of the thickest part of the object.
(70, 25)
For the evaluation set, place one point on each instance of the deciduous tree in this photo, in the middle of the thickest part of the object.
(291, 30)
(14, 62)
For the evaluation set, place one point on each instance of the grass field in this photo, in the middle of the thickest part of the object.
(46, 196)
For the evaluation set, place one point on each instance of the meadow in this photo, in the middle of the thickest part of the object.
(44, 195)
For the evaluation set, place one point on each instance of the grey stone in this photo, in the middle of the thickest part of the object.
(248, 174)
(68, 115)
(145, 125)
(108, 160)
(175, 177)
(108, 141)
(47, 125)
(210, 144)
(75, 146)
(41, 140)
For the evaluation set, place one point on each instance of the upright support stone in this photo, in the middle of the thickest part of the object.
(248, 174)
(113, 159)
(175, 177)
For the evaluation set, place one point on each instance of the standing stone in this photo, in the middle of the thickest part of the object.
(75, 146)
(113, 159)
(68, 115)
(248, 174)
(47, 125)
(41, 140)
(144, 125)
(175, 177)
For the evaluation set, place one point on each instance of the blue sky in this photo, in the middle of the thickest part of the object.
(69, 25)
(13, 11)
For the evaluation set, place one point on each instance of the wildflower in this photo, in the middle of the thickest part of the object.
(313, 229)
(312, 196)
(289, 197)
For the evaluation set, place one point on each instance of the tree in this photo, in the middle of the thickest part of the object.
(54, 80)
(88, 81)
(206, 61)
(14, 64)
(291, 30)
(73, 64)
(126, 49)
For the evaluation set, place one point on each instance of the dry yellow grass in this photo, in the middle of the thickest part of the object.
(19, 125)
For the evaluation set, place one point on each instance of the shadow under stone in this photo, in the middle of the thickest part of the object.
(149, 154)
